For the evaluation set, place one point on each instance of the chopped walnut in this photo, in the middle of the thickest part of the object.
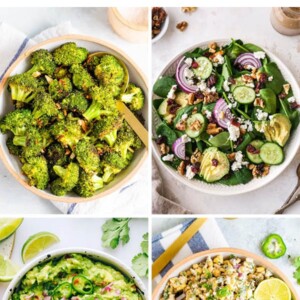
(286, 88)
(83, 125)
(188, 9)
(212, 129)
(259, 170)
(254, 73)
(214, 55)
(210, 98)
(195, 110)
(213, 45)
(182, 25)
(181, 125)
(191, 98)
(181, 168)
(164, 149)
(196, 125)
(196, 156)
(247, 78)
(198, 100)
(231, 156)
(259, 102)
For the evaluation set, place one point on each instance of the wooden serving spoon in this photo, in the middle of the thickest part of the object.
(132, 120)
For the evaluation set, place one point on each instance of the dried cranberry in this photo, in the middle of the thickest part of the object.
(239, 141)
(211, 81)
(199, 95)
(171, 101)
(214, 162)
(239, 66)
(263, 78)
(161, 140)
(258, 87)
(252, 149)
(231, 80)
(195, 167)
(294, 105)
(235, 123)
(173, 109)
(206, 54)
(195, 65)
(282, 95)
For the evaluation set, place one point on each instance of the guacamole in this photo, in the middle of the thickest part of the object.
(76, 277)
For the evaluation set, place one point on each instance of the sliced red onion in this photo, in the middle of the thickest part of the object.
(248, 59)
(222, 113)
(179, 147)
(181, 80)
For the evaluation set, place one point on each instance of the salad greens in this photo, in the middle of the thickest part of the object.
(226, 114)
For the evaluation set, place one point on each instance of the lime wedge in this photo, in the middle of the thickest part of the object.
(274, 289)
(38, 243)
(7, 269)
(8, 226)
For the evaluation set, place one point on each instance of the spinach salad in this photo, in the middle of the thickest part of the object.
(225, 115)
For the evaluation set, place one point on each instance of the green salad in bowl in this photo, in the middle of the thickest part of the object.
(224, 113)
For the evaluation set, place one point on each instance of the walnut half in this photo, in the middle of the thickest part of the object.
(212, 129)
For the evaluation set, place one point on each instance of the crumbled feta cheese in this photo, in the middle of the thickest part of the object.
(226, 86)
(291, 99)
(218, 60)
(270, 78)
(271, 117)
(250, 84)
(208, 114)
(213, 89)
(184, 117)
(247, 125)
(259, 54)
(171, 94)
(261, 115)
(249, 67)
(238, 163)
(188, 61)
(168, 157)
(189, 173)
(185, 138)
(234, 132)
(202, 86)
(188, 73)
(230, 97)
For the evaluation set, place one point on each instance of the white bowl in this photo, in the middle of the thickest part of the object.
(164, 28)
(95, 254)
(22, 64)
(225, 252)
(290, 149)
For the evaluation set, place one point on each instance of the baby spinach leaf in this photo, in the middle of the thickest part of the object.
(164, 130)
(195, 53)
(163, 85)
(241, 176)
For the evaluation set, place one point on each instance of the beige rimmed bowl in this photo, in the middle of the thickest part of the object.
(225, 252)
(22, 64)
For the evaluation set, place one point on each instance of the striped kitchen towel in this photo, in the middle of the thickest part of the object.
(129, 200)
(209, 236)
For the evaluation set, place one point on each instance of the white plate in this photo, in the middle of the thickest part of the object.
(98, 255)
(290, 149)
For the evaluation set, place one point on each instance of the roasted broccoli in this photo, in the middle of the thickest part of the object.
(133, 97)
(23, 87)
(81, 77)
(60, 88)
(56, 154)
(87, 156)
(75, 102)
(12, 148)
(43, 63)
(102, 104)
(61, 72)
(68, 178)
(36, 170)
(88, 184)
(69, 54)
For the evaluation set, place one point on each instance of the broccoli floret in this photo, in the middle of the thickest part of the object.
(61, 72)
(87, 156)
(112, 163)
(88, 184)
(13, 149)
(44, 108)
(36, 170)
(67, 131)
(92, 62)
(17, 121)
(47, 137)
(43, 63)
(107, 127)
(133, 97)
(60, 88)
(81, 77)
(110, 71)
(56, 154)
(102, 104)
(75, 102)
(69, 54)
(68, 178)
(22, 87)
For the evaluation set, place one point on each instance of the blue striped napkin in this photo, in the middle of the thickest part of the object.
(209, 236)
(126, 201)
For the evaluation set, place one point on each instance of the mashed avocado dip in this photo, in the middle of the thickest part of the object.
(75, 277)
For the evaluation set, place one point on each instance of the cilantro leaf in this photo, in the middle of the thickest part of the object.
(140, 264)
(114, 231)
(296, 262)
(144, 244)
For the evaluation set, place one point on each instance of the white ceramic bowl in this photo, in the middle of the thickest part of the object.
(98, 255)
(225, 252)
(22, 64)
(164, 28)
(290, 149)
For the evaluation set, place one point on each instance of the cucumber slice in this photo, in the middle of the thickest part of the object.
(271, 154)
(244, 94)
(238, 82)
(195, 125)
(255, 157)
(205, 67)
(162, 109)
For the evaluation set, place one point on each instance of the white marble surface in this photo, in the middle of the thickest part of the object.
(90, 21)
(248, 233)
(252, 25)
(76, 233)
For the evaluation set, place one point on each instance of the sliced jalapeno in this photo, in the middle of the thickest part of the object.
(82, 285)
(273, 246)
(64, 290)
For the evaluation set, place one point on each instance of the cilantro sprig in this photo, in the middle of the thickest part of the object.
(140, 261)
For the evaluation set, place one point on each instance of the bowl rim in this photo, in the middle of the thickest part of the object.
(241, 252)
(116, 262)
(69, 199)
(230, 191)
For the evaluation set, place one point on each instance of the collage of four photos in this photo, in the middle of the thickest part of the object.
(149, 153)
